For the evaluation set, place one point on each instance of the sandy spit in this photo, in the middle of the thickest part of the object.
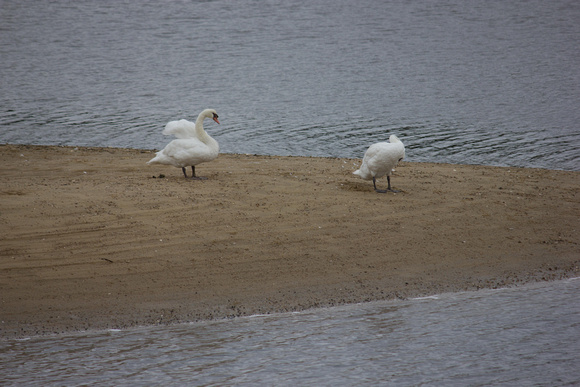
(93, 238)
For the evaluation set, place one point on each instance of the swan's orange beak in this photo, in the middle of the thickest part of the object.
(216, 120)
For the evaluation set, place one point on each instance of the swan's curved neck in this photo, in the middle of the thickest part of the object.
(199, 121)
(199, 126)
(202, 134)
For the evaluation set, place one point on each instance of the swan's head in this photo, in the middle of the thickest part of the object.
(210, 113)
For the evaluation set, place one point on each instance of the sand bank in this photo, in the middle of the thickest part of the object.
(94, 238)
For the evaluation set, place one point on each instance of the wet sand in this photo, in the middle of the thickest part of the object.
(93, 238)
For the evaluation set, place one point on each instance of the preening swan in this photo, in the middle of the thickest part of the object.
(192, 146)
(380, 159)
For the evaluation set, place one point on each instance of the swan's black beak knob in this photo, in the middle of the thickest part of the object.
(215, 118)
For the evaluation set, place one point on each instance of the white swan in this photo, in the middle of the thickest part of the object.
(193, 145)
(380, 159)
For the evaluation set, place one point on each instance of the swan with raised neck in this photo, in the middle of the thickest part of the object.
(193, 145)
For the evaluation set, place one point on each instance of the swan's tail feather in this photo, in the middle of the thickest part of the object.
(155, 159)
(363, 173)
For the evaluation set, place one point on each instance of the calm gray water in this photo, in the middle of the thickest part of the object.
(494, 82)
(528, 336)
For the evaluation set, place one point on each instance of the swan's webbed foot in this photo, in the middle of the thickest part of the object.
(389, 185)
(389, 189)
(193, 177)
(379, 190)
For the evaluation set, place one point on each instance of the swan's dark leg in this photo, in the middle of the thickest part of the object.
(184, 173)
(196, 177)
(378, 190)
(389, 185)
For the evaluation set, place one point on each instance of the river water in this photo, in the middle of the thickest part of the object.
(493, 83)
(527, 336)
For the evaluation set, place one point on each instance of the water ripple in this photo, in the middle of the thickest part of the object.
(516, 336)
(476, 85)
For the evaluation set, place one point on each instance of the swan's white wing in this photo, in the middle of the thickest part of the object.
(185, 152)
(366, 170)
(180, 129)
(378, 159)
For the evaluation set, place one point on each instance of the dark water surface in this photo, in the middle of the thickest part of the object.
(495, 83)
(527, 336)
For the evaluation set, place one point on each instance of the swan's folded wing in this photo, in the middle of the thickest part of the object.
(180, 129)
(190, 151)
(381, 158)
(374, 151)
